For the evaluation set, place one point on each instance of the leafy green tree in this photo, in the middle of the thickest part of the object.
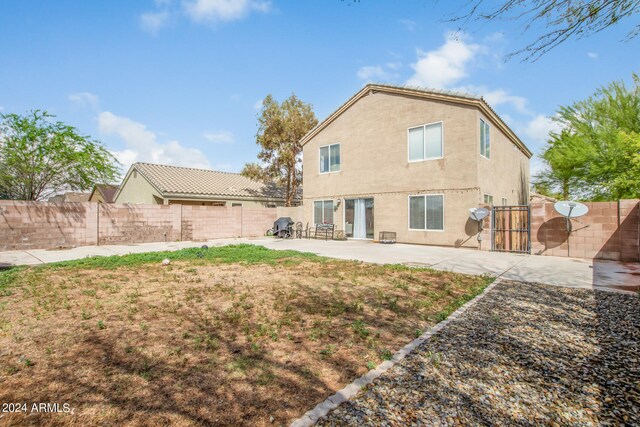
(281, 127)
(597, 154)
(563, 19)
(40, 157)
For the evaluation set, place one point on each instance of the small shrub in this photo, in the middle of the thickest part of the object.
(386, 354)
(328, 351)
(360, 329)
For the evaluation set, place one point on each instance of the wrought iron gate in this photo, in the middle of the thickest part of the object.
(511, 229)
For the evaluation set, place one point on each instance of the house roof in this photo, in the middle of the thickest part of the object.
(178, 181)
(542, 197)
(72, 196)
(423, 93)
(108, 191)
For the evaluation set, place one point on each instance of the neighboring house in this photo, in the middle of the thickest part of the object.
(413, 162)
(103, 193)
(70, 196)
(165, 185)
(541, 198)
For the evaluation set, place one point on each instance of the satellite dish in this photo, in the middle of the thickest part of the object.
(570, 210)
(478, 214)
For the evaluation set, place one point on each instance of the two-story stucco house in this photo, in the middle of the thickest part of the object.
(413, 162)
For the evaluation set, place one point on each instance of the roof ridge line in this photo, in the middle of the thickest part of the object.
(187, 167)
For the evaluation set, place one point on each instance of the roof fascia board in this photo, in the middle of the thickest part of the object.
(219, 197)
(126, 179)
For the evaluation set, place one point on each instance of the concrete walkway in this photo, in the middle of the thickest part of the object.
(609, 275)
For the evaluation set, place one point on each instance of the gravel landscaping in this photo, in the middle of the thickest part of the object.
(526, 354)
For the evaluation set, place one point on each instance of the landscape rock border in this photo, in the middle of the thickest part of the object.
(312, 416)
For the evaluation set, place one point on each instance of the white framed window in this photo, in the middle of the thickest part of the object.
(323, 212)
(488, 199)
(485, 140)
(330, 158)
(425, 142)
(426, 212)
(504, 201)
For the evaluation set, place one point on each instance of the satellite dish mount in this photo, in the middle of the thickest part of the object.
(478, 215)
(570, 210)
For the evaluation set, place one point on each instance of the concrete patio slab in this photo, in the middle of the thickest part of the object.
(570, 272)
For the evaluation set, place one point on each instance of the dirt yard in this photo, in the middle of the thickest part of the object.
(209, 339)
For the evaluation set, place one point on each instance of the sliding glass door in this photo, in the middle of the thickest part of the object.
(358, 218)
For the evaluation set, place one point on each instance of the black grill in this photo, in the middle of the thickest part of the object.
(283, 227)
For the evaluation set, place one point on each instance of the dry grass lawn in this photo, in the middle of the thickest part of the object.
(229, 336)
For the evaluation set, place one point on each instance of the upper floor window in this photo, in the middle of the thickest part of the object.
(425, 142)
(330, 158)
(488, 199)
(485, 140)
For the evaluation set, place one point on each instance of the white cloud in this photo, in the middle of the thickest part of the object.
(85, 99)
(223, 10)
(370, 72)
(536, 166)
(223, 137)
(445, 66)
(498, 97)
(592, 55)
(378, 73)
(496, 37)
(200, 11)
(142, 144)
(258, 104)
(152, 22)
(408, 24)
(539, 127)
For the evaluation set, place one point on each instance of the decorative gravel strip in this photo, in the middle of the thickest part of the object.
(332, 402)
(527, 354)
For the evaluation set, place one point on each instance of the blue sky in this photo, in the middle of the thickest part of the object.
(179, 81)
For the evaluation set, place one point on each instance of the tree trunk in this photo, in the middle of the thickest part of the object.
(288, 197)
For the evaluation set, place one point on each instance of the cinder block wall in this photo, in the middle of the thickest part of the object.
(256, 222)
(32, 225)
(610, 231)
(211, 222)
(43, 225)
(128, 223)
(296, 213)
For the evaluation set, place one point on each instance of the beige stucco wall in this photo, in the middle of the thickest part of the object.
(374, 163)
(506, 172)
(96, 197)
(136, 189)
(228, 203)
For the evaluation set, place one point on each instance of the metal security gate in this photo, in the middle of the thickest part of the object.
(511, 229)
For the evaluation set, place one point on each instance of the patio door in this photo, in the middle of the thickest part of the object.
(358, 218)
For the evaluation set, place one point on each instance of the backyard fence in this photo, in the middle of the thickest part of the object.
(610, 231)
(43, 225)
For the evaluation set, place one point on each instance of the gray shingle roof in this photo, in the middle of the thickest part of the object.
(183, 181)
